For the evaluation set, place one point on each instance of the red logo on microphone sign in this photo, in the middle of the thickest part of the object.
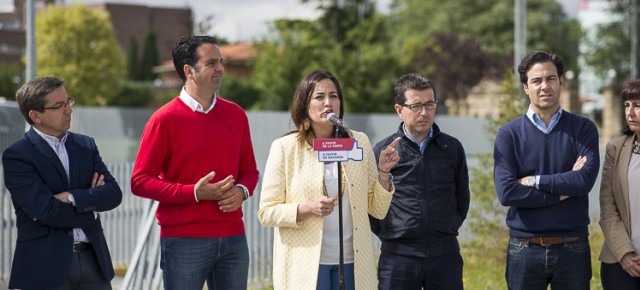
(340, 144)
(338, 149)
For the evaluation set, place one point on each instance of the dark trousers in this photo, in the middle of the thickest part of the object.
(430, 273)
(613, 277)
(85, 273)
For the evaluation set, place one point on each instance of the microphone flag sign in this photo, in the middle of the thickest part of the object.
(337, 149)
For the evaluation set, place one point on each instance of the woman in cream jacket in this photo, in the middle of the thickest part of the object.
(620, 201)
(298, 196)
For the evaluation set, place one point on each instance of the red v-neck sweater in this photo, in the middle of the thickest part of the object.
(178, 147)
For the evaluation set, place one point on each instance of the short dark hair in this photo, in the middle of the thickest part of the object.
(539, 56)
(185, 52)
(630, 92)
(412, 81)
(302, 97)
(31, 96)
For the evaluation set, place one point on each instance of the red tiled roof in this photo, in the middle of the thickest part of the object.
(241, 52)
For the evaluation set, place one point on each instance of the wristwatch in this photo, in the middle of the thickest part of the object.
(245, 191)
(531, 181)
(386, 182)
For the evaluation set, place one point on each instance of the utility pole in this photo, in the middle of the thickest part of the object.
(30, 39)
(634, 39)
(520, 30)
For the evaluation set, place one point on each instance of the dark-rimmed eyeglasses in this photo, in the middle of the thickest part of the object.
(62, 106)
(417, 107)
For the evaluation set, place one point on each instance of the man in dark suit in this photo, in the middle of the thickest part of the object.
(58, 184)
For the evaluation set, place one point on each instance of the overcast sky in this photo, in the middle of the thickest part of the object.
(242, 20)
(239, 20)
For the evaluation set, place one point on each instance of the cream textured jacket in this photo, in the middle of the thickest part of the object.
(614, 200)
(293, 176)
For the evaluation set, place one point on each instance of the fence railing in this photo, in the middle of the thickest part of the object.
(8, 231)
(133, 235)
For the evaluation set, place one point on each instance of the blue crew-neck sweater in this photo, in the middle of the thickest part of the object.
(522, 150)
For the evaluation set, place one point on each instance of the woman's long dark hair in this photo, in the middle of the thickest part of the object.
(300, 105)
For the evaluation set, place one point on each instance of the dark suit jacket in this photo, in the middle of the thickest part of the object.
(33, 173)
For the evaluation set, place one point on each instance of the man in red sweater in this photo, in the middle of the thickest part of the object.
(197, 160)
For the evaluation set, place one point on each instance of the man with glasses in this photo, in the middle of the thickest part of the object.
(419, 234)
(58, 184)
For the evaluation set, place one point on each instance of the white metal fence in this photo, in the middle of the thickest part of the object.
(8, 231)
(133, 224)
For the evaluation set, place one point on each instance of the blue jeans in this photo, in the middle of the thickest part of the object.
(187, 263)
(329, 278)
(564, 266)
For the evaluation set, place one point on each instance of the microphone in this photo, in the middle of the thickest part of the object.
(333, 119)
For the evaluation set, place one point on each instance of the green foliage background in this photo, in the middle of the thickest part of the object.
(150, 56)
(240, 91)
(10, 80)
(611, 48)
(133, 67)
(78, 45)
(485, 254)
(367, 51)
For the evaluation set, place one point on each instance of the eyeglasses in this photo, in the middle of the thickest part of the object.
(62, 106)
(417, 107)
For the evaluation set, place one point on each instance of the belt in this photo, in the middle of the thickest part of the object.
(81, 246)
(549, 241)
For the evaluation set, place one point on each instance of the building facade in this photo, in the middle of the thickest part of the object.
(129, 21)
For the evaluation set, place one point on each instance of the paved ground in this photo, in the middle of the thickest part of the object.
(4, 285)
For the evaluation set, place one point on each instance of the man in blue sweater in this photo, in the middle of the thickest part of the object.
(546, 162)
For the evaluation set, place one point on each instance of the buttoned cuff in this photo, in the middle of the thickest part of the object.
(71, 199)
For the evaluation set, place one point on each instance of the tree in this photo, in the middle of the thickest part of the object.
(548, 27)
(240, 91)
(78, 44)
(485, 254)
(339, 16)
(366, 66)
(455, 65)
(280, 65)
(150, 56)
(134, 94)
(133, 67)
(360, 56)
(613, 37)
(491, 24)
(10, 80)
